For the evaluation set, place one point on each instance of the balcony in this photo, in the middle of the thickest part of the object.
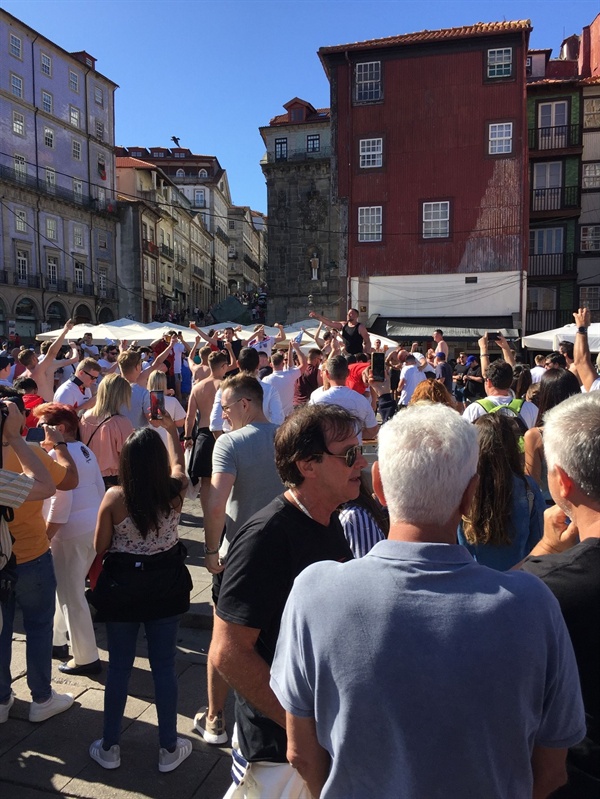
(51, 190)
(107, 294)
(150, 247)
(181, 260)
(551, 264)
(31, 281)
(557, 138)
(559, 198)
(3, 276)
(57, 284)
(296, 155)
(536, 321)
(197, 271)
(167, 252)
(85, 288)
(178, 285)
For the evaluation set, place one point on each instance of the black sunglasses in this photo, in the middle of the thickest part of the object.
(349, 456)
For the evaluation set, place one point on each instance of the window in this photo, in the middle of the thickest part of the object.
(20, 168)
(541, 299)
(589, 297)
(77, 190)
(436, 220)
(100, 129)
(101, 198)
(18, 123)
(49, 137)
(199, 198)
(98, 96)
(15, 46)
(52, 269)
(500, 138)
(21, 220)
(47, 102)
(553, 130)
(78, 272)
(46, 64)
(153, 271)
(146, 270)
(281, 149)
(499, 63)
(77, 236)
(102, 167)
(371, 153)
(591, 112)
(544, 241)
(180, 173)
(102, 279)
(76, 150)
(101, 239)
(73, 81)
(590, 238)
(529, 66)
(16, 86)
(231, 224)
(369, 223)
(297, 115)
(313, 143)
(547, 183)
(22, 264)
(51, 229)
(590, 178)
(74, 116)
(202, 173)
(50, 179)
(367, 76)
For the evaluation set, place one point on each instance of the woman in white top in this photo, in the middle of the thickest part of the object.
(158, 382)
(70, 524)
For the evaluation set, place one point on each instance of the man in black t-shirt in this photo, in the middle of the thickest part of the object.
(443, 370)
(473, 380)
(319, 460)
(567, 559)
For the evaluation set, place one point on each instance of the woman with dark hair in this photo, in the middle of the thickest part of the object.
(70, 523)
(521, 380)
(143, 581)
(556, 385)
(506, 518)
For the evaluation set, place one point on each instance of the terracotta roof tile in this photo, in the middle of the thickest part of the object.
(135, 163)
(283, 119)
(467, 31)
(552, 81)
(593, 81)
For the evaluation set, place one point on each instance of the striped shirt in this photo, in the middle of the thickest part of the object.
(360, 528)
(14, 490)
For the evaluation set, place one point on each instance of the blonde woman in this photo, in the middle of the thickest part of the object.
(158, 382)
(104, 429)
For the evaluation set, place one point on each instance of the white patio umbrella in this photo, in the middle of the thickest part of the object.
(549, 339)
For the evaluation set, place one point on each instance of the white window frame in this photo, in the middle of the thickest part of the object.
(73, 81)
(541, 298)
(23, 264)
(99, 126)
(20, 220)
(102, 279)
(590, 238)
(370, 223)
(78, 274)
(370, 153)
(49, 138)
(202, 173)
(16, 47)
(16, 85)
(590, 175)
(500, 138)
(199, 198)
(20, 166)
(50, 179)
(180, 173)
(546, 241)
(77, 190)
(76, 149)
(47, 102)
(436, 219)
(591, 112)
(52, 270)
(589, 297)
(18, 123)
(367, 82)
(74, 116)
(51, 229)
(99, 96)
(46, 64)
(313, 143)
(102, 240)
(499, 63)
(78, 236)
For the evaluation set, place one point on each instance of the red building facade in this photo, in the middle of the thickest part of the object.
(429, 136)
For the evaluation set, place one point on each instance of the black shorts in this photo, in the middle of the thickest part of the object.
(201, 461)
(394, 378)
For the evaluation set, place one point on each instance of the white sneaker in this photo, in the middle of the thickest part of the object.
(5, 708)
(58, 703)
(168, 761)
(107, 758)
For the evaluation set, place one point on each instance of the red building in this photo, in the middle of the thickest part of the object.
(429, 136)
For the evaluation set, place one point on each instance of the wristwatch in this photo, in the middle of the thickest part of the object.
(582, 330)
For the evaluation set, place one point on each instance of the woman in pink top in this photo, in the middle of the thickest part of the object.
(104, 430)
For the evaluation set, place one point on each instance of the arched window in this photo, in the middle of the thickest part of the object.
(105, 316)
(82, 314)
(56, 315)
(180, 173)
(202, 173)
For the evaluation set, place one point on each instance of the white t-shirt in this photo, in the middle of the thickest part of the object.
(69, 394)
(413, 376)
(272, 409)
(177, 349)
(537, 373)
(595, 385)
(266, 345)
(176, 412)
(285, 382)
(89, 350)
(528, 414)
(351, 400)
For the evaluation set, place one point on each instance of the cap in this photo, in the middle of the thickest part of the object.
(4, 362)
(441, 356)
(471, 359)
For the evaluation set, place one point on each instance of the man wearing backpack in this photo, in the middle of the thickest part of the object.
(498, 380)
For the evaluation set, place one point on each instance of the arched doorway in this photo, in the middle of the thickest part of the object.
(25, 319)
(56, 315)
(105, 316)
(82, 315)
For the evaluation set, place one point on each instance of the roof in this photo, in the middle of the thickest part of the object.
(322, 114)
(465, 32)
(533, 51)
(133, 163)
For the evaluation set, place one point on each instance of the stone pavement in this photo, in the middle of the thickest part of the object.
(38, 761)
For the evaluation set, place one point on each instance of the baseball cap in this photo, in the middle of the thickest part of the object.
(441, 356)
(5, 361)
(471, 359)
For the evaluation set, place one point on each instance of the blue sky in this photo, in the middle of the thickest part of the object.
(212, 72)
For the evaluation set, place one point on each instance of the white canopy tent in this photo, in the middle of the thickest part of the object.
(549, 340)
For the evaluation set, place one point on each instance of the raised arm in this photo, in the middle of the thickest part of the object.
(190, 419)
(32, 466)
(54, 348)
(210, 339)
(145, 373)
(192, 354)
(506, 351)
(484, 358)
(581, 352)
(367, 348)
(281, 335)
(302, 359)
(326, 321)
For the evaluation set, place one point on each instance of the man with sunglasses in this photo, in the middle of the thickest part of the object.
(319, 459)
(79, 392)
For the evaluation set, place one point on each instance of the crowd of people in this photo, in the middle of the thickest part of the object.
(395, 598)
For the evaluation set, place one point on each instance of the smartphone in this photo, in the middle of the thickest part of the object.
(378, 366)
(35, 434)
(157, 404)
(493, 336)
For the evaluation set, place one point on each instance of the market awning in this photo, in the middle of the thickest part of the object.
(455, 329)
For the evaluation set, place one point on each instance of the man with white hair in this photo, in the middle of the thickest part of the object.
(471, 669)
(567, 559)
